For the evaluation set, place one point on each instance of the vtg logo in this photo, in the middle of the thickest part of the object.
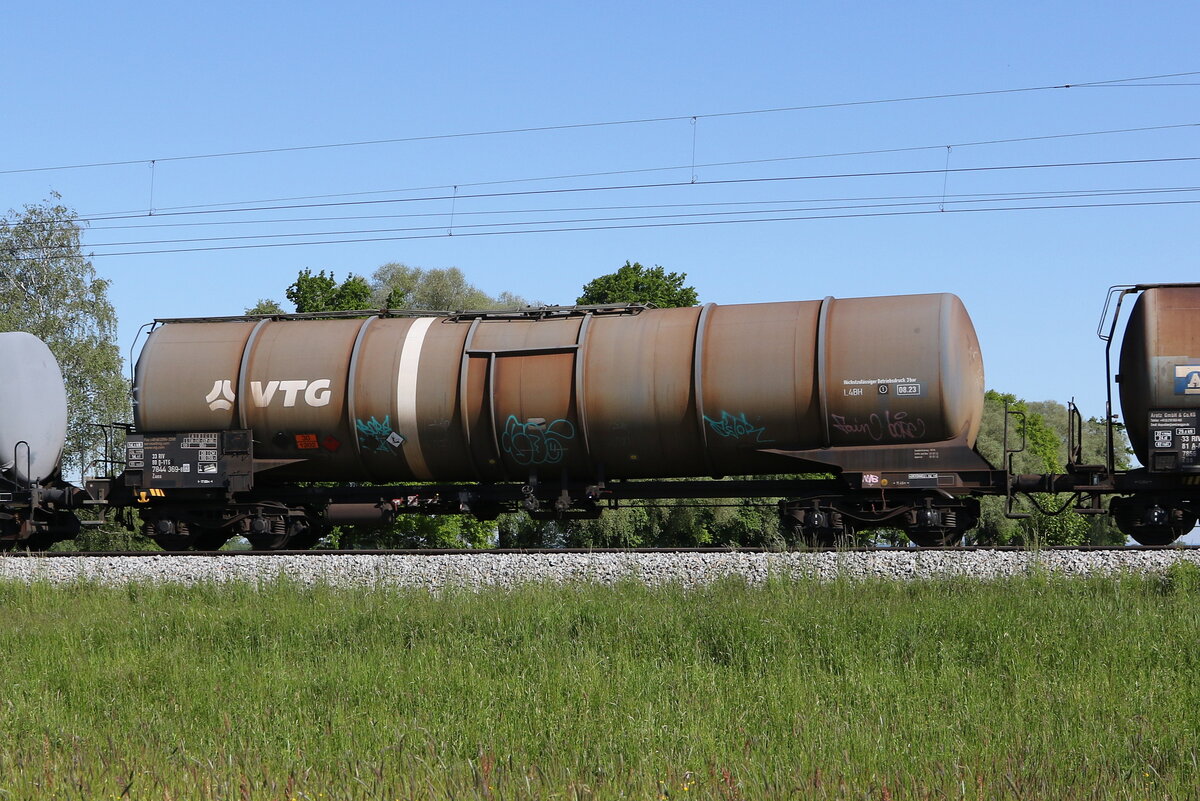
(314, 393)
(1187, 379)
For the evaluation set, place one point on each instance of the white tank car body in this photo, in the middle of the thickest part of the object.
(33, 408)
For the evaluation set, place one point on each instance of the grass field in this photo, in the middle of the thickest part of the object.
(1039, 688)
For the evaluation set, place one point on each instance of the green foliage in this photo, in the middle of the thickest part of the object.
(109, 537)
(266, 306)
(682, 523)
(634, 283)
(49, 288)
(398, 286)
(392, 286)
(322, 293)
(1045, 435)
(685, 522)
(1028, 688)
(418, 531)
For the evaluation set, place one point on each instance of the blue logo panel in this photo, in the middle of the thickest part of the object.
(1187, 379)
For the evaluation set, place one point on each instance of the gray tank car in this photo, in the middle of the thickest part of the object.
(33, 428)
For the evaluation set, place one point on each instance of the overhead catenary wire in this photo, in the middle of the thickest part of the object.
(659, 225)
(1134, 82)
(941, 202)
(640, 206)
(644, 170)
(657, 185)
(654, 225)
(235, 213)
(560, 223)
(717, 182)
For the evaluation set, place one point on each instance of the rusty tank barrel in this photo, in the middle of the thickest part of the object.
(586, 394)
(1160, 378)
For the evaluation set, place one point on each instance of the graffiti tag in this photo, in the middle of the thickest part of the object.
(536, 442)
(736, 427)
(896, 426)
(379, 436)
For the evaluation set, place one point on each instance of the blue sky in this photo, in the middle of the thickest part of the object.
(149, 82)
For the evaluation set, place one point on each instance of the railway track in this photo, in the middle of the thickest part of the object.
(682, 567)
(561, 551)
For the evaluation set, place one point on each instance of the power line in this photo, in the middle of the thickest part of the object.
(592, 224)
(159, 212)
(630, 207)
(723, 182)
(1130, 82)
(643, 226)
(659, 185)
(672, 168)
(929, 200)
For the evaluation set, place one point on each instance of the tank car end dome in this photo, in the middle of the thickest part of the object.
(33, 408)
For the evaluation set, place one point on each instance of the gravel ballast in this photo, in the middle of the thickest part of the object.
(504, 570)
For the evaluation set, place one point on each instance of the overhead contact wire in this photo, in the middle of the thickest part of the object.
(582, 125)
(640, 226)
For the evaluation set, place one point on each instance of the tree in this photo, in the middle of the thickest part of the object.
(398, 286)
(49, 288)
(322, 293)
(634, 283)
(266, 306)
(738, 522)
(1045, 435)
(417, 531)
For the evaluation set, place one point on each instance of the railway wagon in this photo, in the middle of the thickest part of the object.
(33, 428)
(555, 410)
(1159, 384)
(608, 392)
(561, 402)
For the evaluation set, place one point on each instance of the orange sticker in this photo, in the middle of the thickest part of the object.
(307, 442)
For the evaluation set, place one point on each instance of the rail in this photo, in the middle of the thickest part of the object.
(485, 552)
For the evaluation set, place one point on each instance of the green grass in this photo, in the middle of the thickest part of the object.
(1034, 688)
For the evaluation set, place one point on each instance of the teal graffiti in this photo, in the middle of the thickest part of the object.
(736, 427)
(536, 442)
(378, 436)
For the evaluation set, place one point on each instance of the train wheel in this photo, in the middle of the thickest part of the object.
(1151, 521)
(268, 534)
(170, 535)
(820, 528)
(304, 533)
(941, 527)
(935, 538)
(813, 537)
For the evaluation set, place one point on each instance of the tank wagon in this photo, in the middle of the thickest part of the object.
(557, 411)
(34, 502)
(859, 413)
(1159, 383)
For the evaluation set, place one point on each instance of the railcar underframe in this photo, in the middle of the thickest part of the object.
(184, 504)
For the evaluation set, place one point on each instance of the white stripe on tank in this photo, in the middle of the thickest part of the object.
(406, 397)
